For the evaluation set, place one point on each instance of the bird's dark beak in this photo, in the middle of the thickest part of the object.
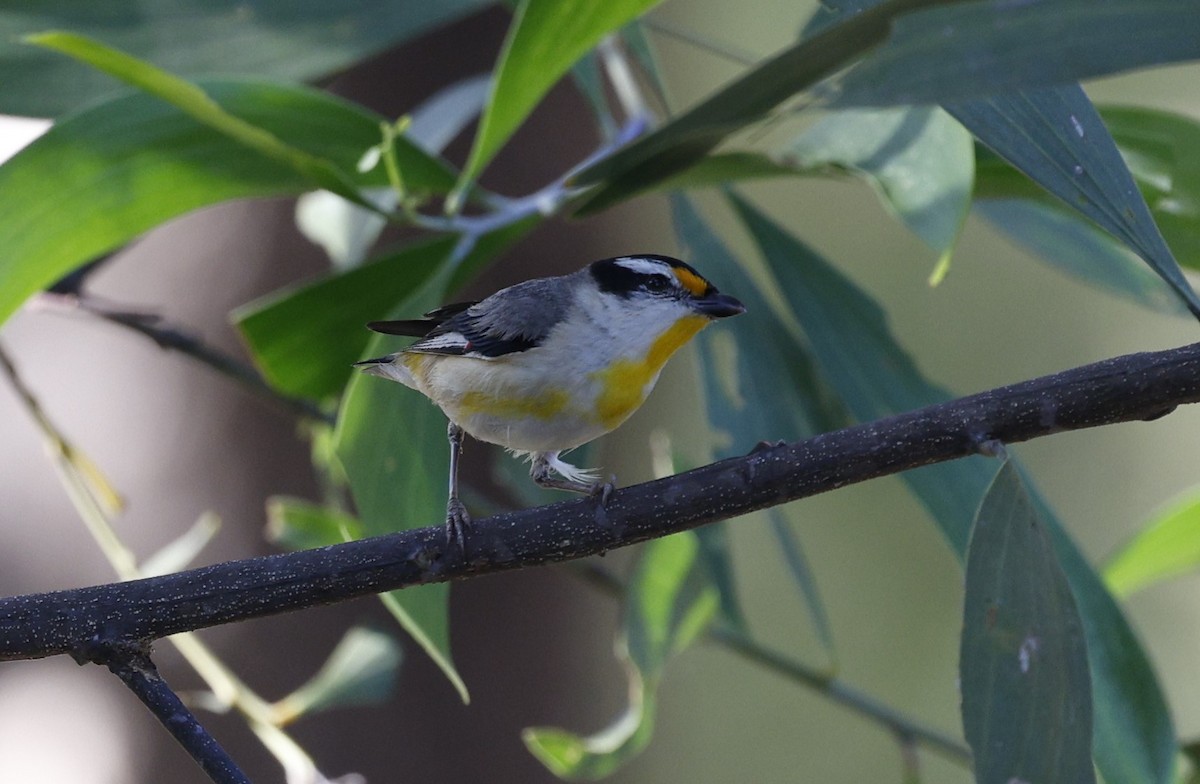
(717, 305)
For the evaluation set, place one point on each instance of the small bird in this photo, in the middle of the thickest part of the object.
(549, 364)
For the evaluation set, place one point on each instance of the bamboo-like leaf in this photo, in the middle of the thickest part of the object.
(1166, 547)
(667, 604)
(275, 39)
(361, 670)
(59, 207)
(1133, 737)
(1027, 702)
(546, 38)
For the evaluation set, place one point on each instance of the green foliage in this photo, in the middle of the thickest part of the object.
(1026, 708)
(1090, 191)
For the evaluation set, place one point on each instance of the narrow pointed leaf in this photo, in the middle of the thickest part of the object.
(58, 206)
(667, 604)
(361, 670)
(302, 525)
(746, 100)
(1077, 247)
(981, 48)
(739, 368)
(305, 339)
(279, 39)
(1168, 546)
(180, 553)
(193, 101)
(1027, 703)
(1056, 137)
(1133, 738)
(920, 160)
(546, 38)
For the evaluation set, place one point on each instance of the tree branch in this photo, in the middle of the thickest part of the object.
(132, 665)
(1133, 387)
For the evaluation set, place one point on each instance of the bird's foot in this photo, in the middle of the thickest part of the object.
(458, 522)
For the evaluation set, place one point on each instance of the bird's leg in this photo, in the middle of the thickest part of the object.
(457, 519)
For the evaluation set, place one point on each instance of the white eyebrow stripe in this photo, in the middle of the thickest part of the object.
(644, 266)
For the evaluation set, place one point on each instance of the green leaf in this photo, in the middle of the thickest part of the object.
(980, 48)
(920, 161)
(1166, 547)
(1056, 137)
(739, 368)
(1133, 740)
(1026, 697)
(193, 101)
(305, 339)
(295, 524)
(60, 204)
(693, 134)
(546, 38)
(391, 442)
(1077, 247)
(360, 671)
(294, 40)
(1162, 150)
(667, 604)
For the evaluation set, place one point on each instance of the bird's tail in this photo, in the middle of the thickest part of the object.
(387, 367)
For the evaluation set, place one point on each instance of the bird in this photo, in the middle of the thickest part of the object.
(549, 364)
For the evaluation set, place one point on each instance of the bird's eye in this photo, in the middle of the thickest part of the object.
(656, 283)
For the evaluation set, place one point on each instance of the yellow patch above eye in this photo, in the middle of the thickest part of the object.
(691, 281)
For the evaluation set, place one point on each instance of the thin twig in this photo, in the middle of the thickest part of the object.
(136, 671)
(1129, 388)
(174, 338)
(820, 681)
(844, 694)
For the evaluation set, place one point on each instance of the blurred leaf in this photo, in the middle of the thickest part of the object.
(667, 604)
(920, 160)
(294, 40)
(305, 339)
(392, 444)
(1056, 137)
(693, 134)
(971, 49)
(546, 38)
(360, 671)
(802, 575)
(98, 179)
(181, 552)
(193, 101)
(1134, 741)
(296, 524)
(1026, 698)
(1162, 150)
(1077, 247)
(347, 231)
(1168, 546)
(739, 368)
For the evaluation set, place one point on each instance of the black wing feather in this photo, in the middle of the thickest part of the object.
(422, 327)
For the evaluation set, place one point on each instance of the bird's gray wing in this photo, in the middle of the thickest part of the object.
(514, 319)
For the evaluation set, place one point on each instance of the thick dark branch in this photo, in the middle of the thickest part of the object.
(1137, 386)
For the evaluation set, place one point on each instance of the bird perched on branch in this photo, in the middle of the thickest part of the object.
(549, 364)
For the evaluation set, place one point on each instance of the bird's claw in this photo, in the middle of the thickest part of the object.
(458, 522)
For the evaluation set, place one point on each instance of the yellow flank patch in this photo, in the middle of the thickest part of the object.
(543, 405)
(692, 282)
(626, 379)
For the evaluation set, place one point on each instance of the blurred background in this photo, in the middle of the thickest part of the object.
(535, 647)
